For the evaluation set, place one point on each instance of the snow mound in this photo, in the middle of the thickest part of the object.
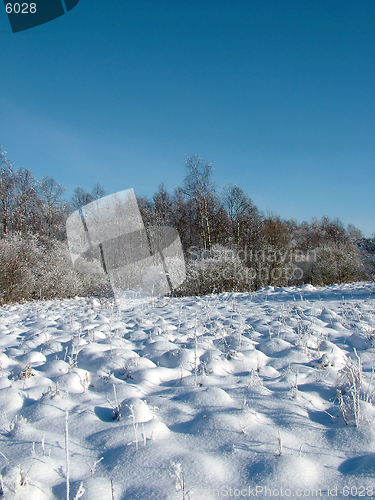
(223, 393)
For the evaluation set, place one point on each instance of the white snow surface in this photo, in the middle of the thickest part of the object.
(222, 396)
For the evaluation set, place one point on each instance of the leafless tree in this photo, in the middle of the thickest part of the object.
(199, 188)
(183, 220)
(162, 206)
(241, 211)
(82, 197)
(26, 201)
(52, 209)
(147, 210)
(7, 189)
(98, 191)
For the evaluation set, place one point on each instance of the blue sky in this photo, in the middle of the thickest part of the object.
(279, 95)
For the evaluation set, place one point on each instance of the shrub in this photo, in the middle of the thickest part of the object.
(337, 264)
(18, 257)
(30, 269)
(220, 270)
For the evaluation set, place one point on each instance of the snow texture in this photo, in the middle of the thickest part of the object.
(267, 394)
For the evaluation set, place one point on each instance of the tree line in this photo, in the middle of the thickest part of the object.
(229, 244)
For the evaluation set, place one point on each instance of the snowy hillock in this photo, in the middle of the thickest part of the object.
(267, 394)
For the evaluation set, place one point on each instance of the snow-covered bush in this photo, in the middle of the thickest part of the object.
(337, 264)
(351, 377)
(220, 270)
(18, 258)
(30, 269)
(56, 277)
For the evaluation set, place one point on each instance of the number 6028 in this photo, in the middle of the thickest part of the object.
(24, 8)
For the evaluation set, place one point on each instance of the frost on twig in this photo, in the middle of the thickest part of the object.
(279, 445)
(80, 492)
(179, 479)
(23, 476)
(94, 465)
(67, 465)
(116, 406)
(351, 376)
(135, 426)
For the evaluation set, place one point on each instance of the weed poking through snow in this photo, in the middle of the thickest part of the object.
(94, 466)
(23, 476)
(116, 406)
(80, 492)
(279, 445)
(351, 376)
(67, 465)
(135, 426)
(179, 480)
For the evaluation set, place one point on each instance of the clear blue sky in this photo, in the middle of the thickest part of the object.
(279, 95)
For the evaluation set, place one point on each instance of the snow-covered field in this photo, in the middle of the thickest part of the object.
(222, 396)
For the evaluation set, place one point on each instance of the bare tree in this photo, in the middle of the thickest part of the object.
(199, 188)
(82, 197)
(241, 211)
(52, 210)
(98, 191)
(25, 200)
(7, 188)
(182, 219)
(221, 226)
(271, 252)
(162, 206)
(146, 209)
(355, 235)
